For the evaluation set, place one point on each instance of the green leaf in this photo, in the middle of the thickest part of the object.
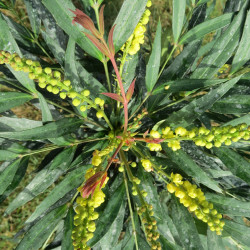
(79, 76)
(109, 215)
(185, 225)
(8, 43)
(126, 21)
(206, 27)
(238, 232)
(55, 47)
(20, 34)
(234, 162)
(9, 100)
(73, 180)
(60, 10)
(222, 49)
(112, 236)
(214, 241)
(179, 8)
(46, 114)
(152, 198)
(67, 243)
(17, 124)
(17, 178)
(186, 164)
(70, 66)
(35, 22)
(153, 65)
(197, 107)
(7, 175)
(129, 71)
(229, 206)
(243, 52)
(186, 85)
(39, 233)
(182, 63)
(235, 104)
(43, 179)
(6, 155)
(240, 120)
(50, 130)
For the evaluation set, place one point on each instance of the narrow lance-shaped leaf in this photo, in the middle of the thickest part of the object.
(46, 114)
(45, 178)
(72, 180)
(193, 110)
(67, 243)
(223, 48)
(228, 205)
(130, 90)
(179, 8)
(184, 223)
(206, 27)
(111, 41)
(19, 174)
(50, 130)
(6, 155)
(8, 43)
(109, 215)
(126, 21)
(234, 162)
(39, 233)
(60, 10)
(186, 163)
(243, 52)
(153, 65)
(9, 100)
(240, 233)
(7, 175)
(114, 96)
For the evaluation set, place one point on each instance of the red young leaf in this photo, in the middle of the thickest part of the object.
(114, 96)
(91, 184)
(130, 90)
(154, 140)
(97, 43)
(101, 20)
(103, 180)
(86, 22)
(111, 42)
(145, 134)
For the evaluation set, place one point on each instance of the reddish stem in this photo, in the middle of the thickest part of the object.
(113, 156)
(125, 101)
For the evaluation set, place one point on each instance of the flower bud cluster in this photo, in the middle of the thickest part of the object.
(135, 189)
(194, 199)
(86, 215)
(121, 167)
(201, 136)
(97, 155)
(52, 81)
(137, 120)
(147, 165)
(137, 38)
(146, 213)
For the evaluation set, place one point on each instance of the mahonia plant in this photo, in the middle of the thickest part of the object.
(139, 141)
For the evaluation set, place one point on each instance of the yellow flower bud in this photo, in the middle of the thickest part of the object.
(86, 92)
(155, 134)
(76, 102)
(171, 188)
(99, 114)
